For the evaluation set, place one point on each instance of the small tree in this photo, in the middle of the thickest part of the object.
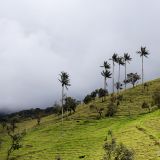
(102, 93)
(93, 94)
(87, 99)
(132, 78)
(70, 104)
(15, 140)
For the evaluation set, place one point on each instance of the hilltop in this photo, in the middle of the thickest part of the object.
(83, 134)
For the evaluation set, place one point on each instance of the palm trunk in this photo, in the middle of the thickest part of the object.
(62, 101)
(105, 83)
(119, 77)
(113, 76)
(125, 74)
(142, 72)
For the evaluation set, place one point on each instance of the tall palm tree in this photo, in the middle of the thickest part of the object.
(106, 74)
(120, 61)
(143, 53)
(106, 66)
(127, 58)
(114, 60)
(65, 82)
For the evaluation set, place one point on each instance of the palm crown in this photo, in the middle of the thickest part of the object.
(114, 57)
(127, 57)
(143, 52)
(64, 79)
(106, 65)
(106, 74)
(120, 61)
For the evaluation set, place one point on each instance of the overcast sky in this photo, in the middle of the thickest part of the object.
(41, 38)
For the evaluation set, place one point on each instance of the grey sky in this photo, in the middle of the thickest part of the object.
(41, 38)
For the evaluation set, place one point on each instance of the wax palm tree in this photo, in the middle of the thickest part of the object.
(143, 53)
(120, 61)
(106, 66)
(106, 74)
(127, 58)
(114, 60)
(65, 82)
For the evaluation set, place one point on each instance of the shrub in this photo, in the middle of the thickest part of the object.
(145, 105)
(156, 97)
(123, 153)
(99, 110)
(114, 151)
(112, 109)
(58, 157)
(120, 97)
(113, 98)
(87, 99)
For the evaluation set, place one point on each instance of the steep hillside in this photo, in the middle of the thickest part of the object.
(83, 135)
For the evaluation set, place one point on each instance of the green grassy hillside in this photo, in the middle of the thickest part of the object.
(82, 134)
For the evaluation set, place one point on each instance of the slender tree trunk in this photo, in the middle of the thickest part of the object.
(105, 83)
(125, 74)
(113, 76)
(142, 72)
(119, 77)
(62, 101)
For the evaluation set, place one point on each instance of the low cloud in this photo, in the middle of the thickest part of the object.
(39, 39)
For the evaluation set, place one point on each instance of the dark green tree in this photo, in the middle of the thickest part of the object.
(87, 99)
(132, 78)
(70, 104)
(102, 93)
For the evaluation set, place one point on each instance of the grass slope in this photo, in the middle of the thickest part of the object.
(82, 134)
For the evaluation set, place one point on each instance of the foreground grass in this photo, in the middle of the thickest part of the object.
(86, 137)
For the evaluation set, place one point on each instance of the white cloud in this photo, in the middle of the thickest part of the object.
(41, 38)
